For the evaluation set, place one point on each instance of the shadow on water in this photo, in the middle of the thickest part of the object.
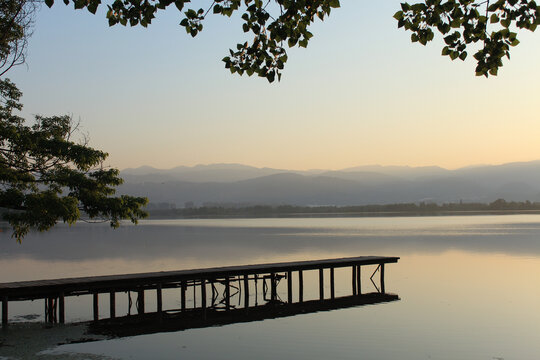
(34, 340)
(171, 321)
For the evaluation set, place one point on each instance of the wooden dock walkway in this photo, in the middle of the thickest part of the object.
(54, 291)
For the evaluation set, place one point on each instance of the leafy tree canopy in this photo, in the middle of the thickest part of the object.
(45, 175)
(276, 24)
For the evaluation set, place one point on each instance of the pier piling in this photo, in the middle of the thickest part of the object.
(96, 306)
(332, 285)
(61, 308)
(321, 284)
(300, 286)
(4, 311)
(112, 304)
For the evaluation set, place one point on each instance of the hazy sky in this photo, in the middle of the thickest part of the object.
(361, 93)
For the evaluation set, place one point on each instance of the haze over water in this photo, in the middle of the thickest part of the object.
(467, 285)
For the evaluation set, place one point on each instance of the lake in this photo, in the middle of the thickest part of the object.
(467, 285)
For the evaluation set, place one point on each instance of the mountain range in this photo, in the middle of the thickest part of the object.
(371, 184)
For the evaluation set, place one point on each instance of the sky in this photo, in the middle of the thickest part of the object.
(360, 93)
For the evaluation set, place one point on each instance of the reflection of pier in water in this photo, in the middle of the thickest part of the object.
(178, 320)
(234, 281)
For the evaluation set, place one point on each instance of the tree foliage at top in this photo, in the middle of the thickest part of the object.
(45, 174)
(489, 24)
(277, 24)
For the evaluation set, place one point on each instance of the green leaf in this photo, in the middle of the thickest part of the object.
(334, 3)
(179, 4)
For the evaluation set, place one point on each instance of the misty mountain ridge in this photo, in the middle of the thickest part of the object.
(371, 184)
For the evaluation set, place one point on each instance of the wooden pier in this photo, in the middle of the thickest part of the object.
(55, 291)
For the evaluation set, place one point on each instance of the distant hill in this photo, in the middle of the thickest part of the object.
(198, 173)
(241, 184)
(406, 172)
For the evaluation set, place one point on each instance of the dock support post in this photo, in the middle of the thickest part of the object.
(50, 309)
(227, 294)
(61, 308)
(300, 286)
(140, 301)
(4, 311)
(159, 298)
(183, 295)
(289, 287)
(96, 306)
(382, 279)
(194, 294)
(246, 291)
(332, 286)
(358, 280)
(112, 304)
(203, 297)
(321, 283)
(273, 289)
(354, 282)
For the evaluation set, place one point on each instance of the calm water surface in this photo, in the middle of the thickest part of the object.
(469, 287)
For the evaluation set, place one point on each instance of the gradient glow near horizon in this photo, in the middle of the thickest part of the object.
(361, 93)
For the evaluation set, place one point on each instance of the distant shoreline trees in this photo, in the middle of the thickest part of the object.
(422, 208)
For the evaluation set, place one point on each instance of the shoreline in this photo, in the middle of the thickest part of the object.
(240, 215)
